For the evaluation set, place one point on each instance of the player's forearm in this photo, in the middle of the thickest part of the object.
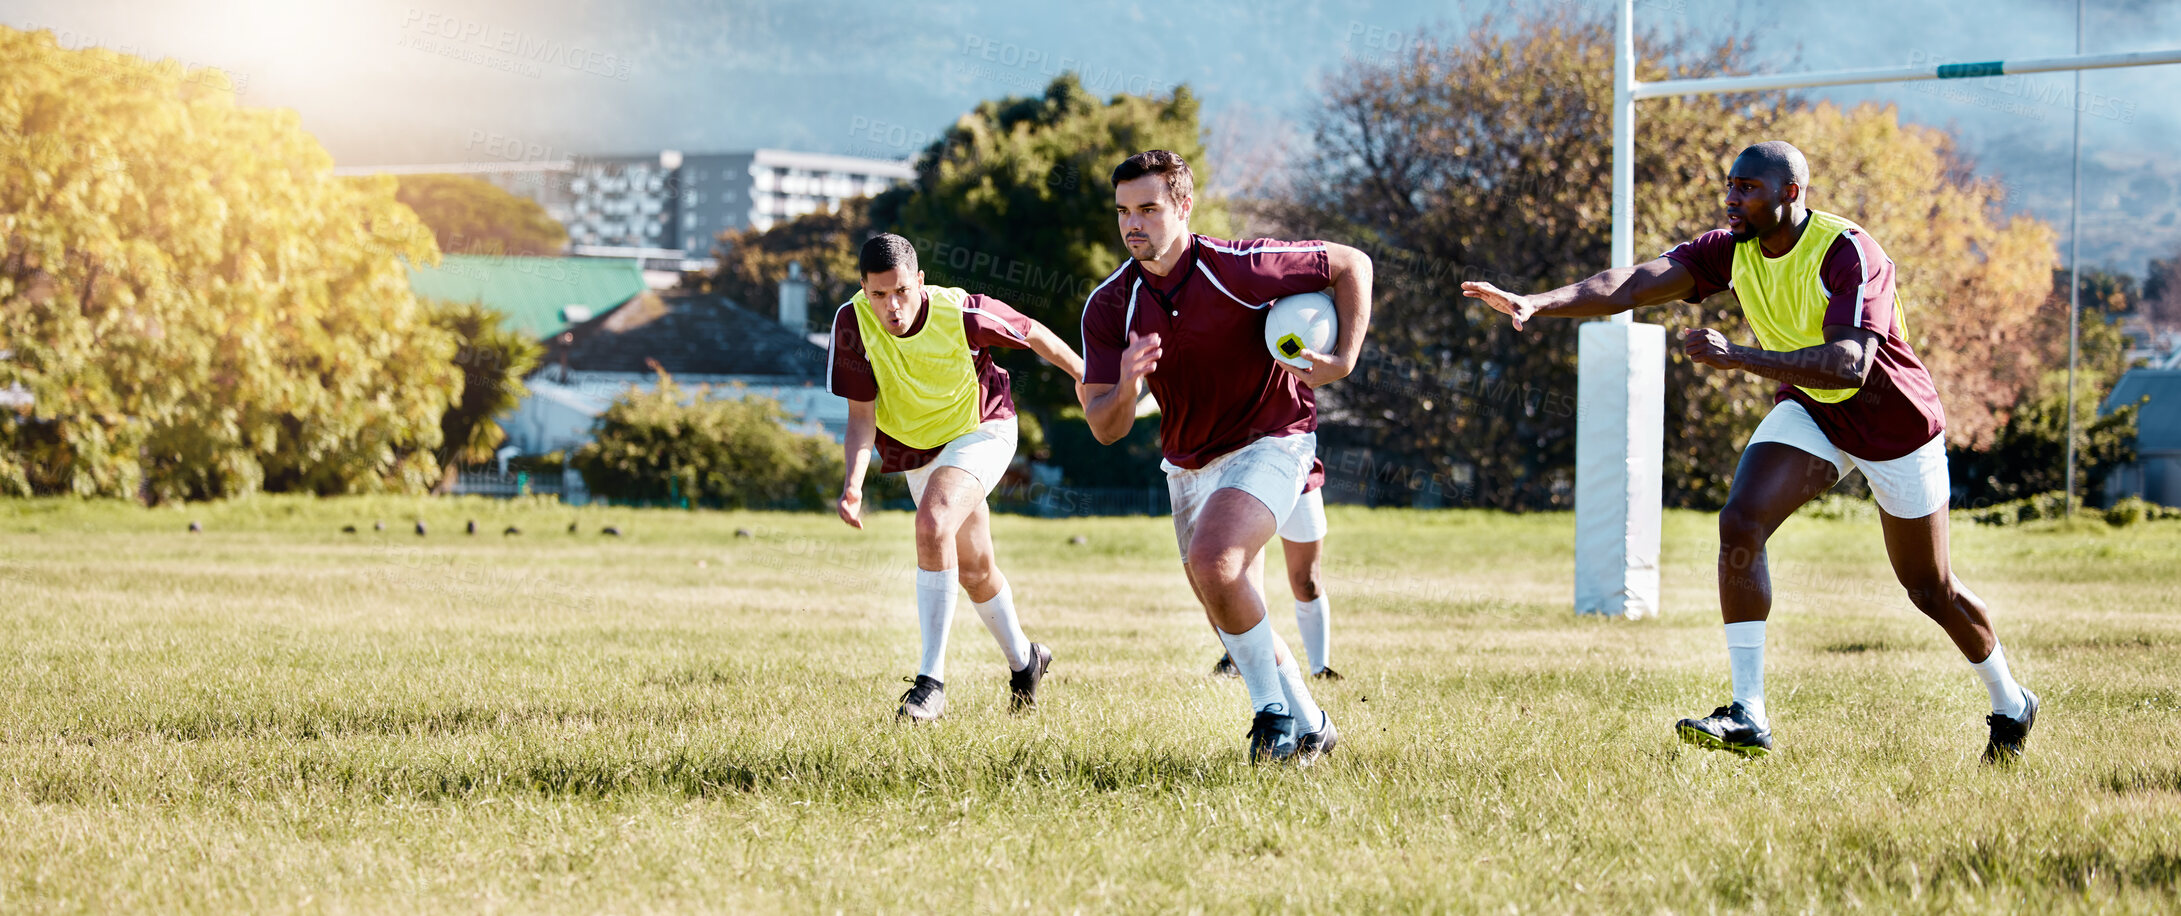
(1111, 413)
(1834, 364)
(1352, 276)
(1056, 351)
(1611, 292)
(1608, 292)
(856, 444)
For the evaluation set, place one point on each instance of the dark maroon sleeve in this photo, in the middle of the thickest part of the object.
(1858, 280)
(1103, 340)
(988, 322)
(1261, 270)
(848, 372)
(1710, 259)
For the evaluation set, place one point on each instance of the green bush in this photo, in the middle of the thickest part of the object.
(677, 446)
(2136, 509)
(2045, 506)
(2125, 512)
(1839, 507)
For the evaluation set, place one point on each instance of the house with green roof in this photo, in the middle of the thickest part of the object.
(540, 296)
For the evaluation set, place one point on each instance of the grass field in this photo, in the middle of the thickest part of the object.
(273, 716)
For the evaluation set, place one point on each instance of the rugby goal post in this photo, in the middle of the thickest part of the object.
(1620, 417)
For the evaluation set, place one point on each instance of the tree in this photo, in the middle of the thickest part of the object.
(672, 445)
(1487, 157)
(1014, 201)
(473, 216)
(198, 307)
(2107, 298)
(2028, 453)
(752, 263)
(2162, 294)
(494, 359)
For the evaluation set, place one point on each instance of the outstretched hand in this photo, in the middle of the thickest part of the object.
(1514, 306)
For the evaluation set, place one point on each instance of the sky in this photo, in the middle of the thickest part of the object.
(414, 81)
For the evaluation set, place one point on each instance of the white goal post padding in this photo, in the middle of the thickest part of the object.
(1620, 434)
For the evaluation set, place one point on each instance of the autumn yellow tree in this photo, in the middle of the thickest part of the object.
(196, 306)
(1486, 156)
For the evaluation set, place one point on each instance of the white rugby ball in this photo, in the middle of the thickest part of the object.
(1298, 322)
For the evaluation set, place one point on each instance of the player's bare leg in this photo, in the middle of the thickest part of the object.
(1922, 561)
(1772, 481)
(1312, 615)
(995, 602)
(1302, 568)
(951, 495)
(1225, 563)
(1918, 549)
(1231, 529)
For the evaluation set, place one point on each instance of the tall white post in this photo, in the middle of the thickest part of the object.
(1620, 416)
(2074, 270)
(1624, 142)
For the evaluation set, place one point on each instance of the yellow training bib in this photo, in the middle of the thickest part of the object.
(927, 381)
(1785, 298)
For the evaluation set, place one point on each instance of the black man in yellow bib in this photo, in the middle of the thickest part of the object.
(1819, 293)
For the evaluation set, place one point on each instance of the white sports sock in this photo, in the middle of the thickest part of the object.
(2006, 694)
(1253, 652)
(934, 614)
(1745, 658)
(999, 617)
(1299, 703)
(1315, 618)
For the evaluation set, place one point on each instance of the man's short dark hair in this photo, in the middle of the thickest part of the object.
(1181, 184)
(885, 252)
(1779, 162)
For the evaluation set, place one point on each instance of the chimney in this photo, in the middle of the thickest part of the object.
(795, 299)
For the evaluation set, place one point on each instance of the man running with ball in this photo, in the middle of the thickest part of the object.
(1186, 314)
(915, 363)
(1819, 293)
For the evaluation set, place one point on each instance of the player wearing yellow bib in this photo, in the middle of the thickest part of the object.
(916, 366)
(1819, 293)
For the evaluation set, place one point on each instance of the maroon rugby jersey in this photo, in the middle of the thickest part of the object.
(1897, 409)
(986, 323)
(1218, 387)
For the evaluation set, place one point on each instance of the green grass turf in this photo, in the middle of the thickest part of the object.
(273, 716)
